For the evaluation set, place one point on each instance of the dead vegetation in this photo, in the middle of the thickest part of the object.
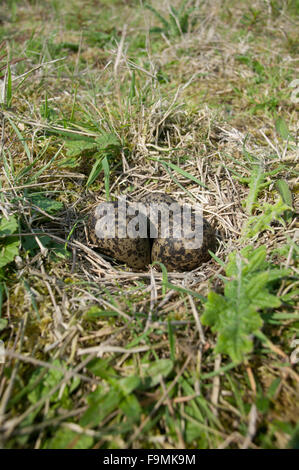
(201, 105)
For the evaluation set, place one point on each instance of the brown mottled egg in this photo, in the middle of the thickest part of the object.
(184, 254)
(178, 251)
(161, 203)
(117, 233)
(157, 198)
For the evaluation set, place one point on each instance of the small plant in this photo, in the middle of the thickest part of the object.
(251, 17)
(235, 314)
(178, 22)
(269, 214)
(104, 148)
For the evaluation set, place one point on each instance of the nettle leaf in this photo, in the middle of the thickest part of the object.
(235, 314)
(76, 147)
(44, 203)
(260, 223)
(69, 162)
(215, 305)
(107, 142)
(233, 342)
(255, 185)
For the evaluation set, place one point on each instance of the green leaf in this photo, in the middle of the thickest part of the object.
(50, 380)
(107, 145)
(157, 29)
(215, 305)
(234, 342)
(107, 142)
(70, 162)
(128, 384)
(8, 226)
(256, 260)
(173, 19)
(263, 221)
(153, 372)
(95, 171)
(9, 249)
(171, 338)
(284, 190)
(68, 439)
(76, 147)
(101, 368)
(44, 203)
(286, 195)
(95, 312)
(101, 404)
(294, 441)
(130, 406)
(30, 245)
(3, 323)
(282, 128)
(183, 290)
(256, 180)
(235, 314)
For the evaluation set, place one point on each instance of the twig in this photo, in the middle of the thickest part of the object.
(197, 320)
(216, 384)
(251, 427)
(48, 365)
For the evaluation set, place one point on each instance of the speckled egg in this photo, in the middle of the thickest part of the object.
(119, 234)
(179, 251)
(161, 203)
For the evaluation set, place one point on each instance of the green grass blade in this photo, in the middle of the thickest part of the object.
(95, 171)
(181, 172)
(8, 87)
(106, 169)
(256, 181)
(285, 192)
(21, 138)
